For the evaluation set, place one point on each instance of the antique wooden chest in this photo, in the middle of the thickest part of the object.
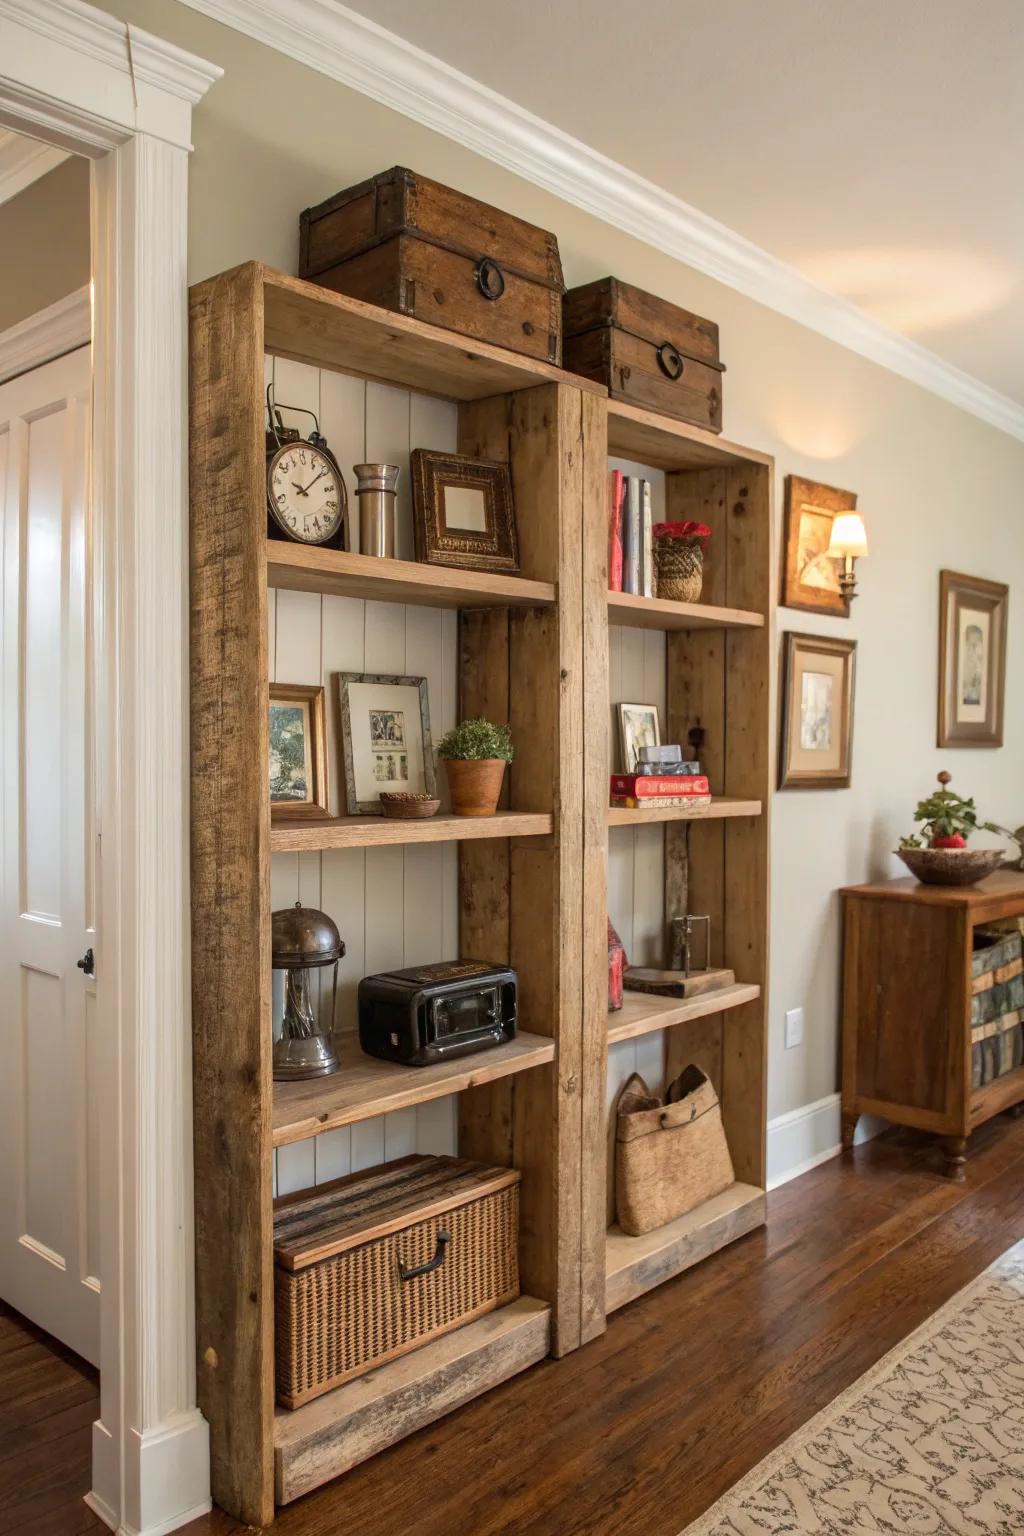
(372, 1265)
(407, 243)
(645, 350)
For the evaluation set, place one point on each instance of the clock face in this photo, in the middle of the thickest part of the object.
(306, 493)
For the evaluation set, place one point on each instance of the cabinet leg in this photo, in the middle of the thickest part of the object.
(954, 1151)
(849, 1126)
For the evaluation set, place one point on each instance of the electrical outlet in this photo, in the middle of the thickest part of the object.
(794, 1027)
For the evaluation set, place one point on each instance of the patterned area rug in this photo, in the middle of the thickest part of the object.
(929, 1443)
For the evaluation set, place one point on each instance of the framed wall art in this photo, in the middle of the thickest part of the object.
(972, 660)
(298, 753)
(462, 512)
(817, 712)
(639, 726)
(385, 737)
(810, 579)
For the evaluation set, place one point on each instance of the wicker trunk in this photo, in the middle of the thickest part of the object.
(371, 1266)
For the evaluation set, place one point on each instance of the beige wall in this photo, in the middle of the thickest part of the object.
(44, 242)
(937, 487)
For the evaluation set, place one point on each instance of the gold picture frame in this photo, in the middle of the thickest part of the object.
(810, 580)
(816, 736)
(972, 660)
(462, 512)
(298, 753)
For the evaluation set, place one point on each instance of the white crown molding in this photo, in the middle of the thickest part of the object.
(23, 161)
(53, 331)
(349, 48)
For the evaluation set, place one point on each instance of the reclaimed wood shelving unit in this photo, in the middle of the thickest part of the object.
(532, 651)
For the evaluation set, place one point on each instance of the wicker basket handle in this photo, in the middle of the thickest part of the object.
(443, 1239)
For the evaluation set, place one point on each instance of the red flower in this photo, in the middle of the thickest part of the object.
(692, 533)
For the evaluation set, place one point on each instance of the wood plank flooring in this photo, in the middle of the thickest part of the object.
(638, 1432)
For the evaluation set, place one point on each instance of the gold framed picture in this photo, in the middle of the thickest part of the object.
(298, 753)
(462, 512)
(810, 579)
(972, 660)
(817, 712)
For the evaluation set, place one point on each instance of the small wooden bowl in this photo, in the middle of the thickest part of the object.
(951, 866)
(408, 807)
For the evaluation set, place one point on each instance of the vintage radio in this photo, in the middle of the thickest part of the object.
(432, 1013)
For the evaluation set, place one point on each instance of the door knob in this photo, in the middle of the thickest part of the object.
(87, 963)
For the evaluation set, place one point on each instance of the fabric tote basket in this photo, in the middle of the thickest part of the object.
(669, 1156)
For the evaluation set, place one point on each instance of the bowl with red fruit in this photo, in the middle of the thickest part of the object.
(937, 853)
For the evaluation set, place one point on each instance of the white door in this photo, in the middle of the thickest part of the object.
(48, 1133)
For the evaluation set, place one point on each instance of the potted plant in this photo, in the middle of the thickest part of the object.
(938, 853)
(474, 756)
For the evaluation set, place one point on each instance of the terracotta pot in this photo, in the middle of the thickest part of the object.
(475, 784)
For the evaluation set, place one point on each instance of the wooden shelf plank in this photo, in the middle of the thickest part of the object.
(634, 1265)
(365, 1087)
(332, 330)
(992, 1098)
(646, 437)
(324, 1438)
(381, 831)
(298, 568)
(641, 1013)
(721, 807)
(624, 608)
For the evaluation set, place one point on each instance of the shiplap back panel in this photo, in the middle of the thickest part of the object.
(636, 863)
(393, 906)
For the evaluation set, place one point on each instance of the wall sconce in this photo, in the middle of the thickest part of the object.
(849, 543)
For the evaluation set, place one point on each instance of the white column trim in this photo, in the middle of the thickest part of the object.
(65, 77)
(59, 328)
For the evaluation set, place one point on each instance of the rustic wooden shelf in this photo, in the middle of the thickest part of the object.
(647, 438)
(641, 1013)
(297, 568)
(721, 808)
(365, 1087)
(992, 1098)
(634, 1265)
(335, 1432)
(382, 831)
(625, 608)
(331, 330)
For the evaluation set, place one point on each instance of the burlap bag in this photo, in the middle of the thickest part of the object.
(669, 1156)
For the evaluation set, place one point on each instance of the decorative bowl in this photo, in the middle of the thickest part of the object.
(408, 807)
(951, 866)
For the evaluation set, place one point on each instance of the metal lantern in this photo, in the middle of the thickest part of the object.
(304, 940)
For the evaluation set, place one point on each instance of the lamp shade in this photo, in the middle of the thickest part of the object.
(848, 536)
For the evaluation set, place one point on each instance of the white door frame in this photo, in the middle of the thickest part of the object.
(74, 77)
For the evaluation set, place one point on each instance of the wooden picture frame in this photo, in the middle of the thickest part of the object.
(810, 581)
(972, 660)
(387, 745)
(816, 735)
(462, 512)
(628, 716)
(307, 701)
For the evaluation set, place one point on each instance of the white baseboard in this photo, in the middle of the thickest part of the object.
(101, 1509)
(802, 1138)
(167, 1476)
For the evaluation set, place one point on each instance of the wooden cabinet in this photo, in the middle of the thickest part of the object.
(907, 1007)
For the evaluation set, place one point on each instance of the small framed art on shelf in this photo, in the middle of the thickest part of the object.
(463, 513)
(385, 736)
(298, 753)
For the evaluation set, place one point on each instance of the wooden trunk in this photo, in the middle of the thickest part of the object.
(646, 351)
(407, 243)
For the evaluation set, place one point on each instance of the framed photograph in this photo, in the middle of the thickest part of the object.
(817, 712)
(462, 512)
(639, 726)
(298, 753)
(810, 580)
(972, 660)
(385, 736)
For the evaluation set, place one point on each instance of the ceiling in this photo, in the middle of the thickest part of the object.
(876, 145)
(23, 161)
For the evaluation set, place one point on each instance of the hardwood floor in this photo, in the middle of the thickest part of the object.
(637, 1433)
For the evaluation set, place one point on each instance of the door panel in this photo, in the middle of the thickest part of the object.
(48, 1134)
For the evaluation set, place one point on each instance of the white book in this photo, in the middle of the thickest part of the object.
(632, 530)
(647, 567)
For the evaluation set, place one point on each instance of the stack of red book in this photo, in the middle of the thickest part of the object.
(638, 791)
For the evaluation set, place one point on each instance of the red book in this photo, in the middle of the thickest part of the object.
(643, 787)
(616, 495)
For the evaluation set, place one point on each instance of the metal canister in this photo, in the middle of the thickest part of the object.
(375, 488)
